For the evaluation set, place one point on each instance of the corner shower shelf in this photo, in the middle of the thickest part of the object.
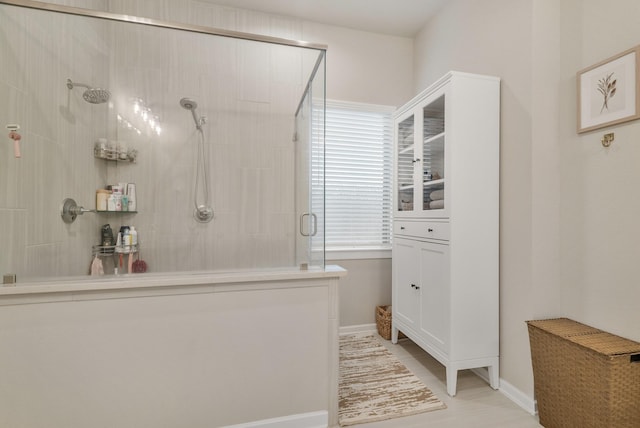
(110, 250)
(115, 156)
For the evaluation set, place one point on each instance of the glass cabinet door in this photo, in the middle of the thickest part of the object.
(433, 143)
(405, 165)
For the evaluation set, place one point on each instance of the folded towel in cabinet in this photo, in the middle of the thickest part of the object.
(434, 205)
(436, 195)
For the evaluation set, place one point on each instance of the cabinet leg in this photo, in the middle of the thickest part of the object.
(452, 381)
(494, 377)
(394, 335)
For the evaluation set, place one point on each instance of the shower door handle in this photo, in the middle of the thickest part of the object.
(314, 229)
(315, 224)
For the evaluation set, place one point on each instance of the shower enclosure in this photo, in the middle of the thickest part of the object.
(257, 146)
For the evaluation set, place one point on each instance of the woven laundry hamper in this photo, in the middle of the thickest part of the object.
(584, 377)
(383, 322)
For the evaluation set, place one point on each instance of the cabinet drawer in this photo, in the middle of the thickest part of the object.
(422, 229)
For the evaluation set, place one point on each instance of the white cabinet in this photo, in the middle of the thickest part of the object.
(420, 159)
(445, 233)
(434, 293)
(406, 299)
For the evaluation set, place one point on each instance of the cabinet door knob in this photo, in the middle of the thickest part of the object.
(415, 160)
(429, 230)
(417, 287)
(401, 227)
(413, 286)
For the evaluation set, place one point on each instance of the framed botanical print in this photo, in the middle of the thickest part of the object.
(608, 91)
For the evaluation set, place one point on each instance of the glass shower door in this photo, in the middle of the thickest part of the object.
(309, 151)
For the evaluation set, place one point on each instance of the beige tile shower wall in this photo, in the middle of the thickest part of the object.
(39, 52)
(249, 92)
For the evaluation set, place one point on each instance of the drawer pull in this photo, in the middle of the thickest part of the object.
(429, 230)
(413, 286)
(401, 227)
(417, 287)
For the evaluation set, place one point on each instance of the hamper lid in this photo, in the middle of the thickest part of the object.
(607, 344)
(587, 336)
(563, 327)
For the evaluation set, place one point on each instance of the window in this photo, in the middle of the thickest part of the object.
(358, 170)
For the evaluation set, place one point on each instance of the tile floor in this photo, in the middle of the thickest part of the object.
(475, 405)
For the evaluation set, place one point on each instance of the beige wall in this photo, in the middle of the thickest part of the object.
(367, 285)
(568, 230)
(365, 67)
(599, 209)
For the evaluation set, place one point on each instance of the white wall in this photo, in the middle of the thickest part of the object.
(568, 230)
(191, 354)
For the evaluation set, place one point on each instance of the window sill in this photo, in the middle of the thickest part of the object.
(358, 253)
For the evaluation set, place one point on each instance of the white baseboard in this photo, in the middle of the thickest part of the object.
(518, 397)
(511, 392)
(355, 329)
(302, 420)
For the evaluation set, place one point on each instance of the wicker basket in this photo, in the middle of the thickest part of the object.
(584, 377)
(383, 322)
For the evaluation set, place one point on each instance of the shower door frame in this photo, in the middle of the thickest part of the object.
(70, 10)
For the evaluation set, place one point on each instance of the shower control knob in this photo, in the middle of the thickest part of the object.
(70, 210)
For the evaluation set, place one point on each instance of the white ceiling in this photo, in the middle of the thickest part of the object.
(394, 17)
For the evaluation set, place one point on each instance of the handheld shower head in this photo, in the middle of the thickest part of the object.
(203, 212)
(91, 95)
(189, 104)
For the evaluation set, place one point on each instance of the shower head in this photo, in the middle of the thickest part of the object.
(91, 95)
(188, 104)
(96, 95)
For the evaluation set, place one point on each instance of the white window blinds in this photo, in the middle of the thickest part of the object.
(358, 168)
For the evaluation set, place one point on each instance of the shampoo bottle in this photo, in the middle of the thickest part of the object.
(134, 238)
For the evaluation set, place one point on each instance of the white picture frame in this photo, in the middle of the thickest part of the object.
(608, 91)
